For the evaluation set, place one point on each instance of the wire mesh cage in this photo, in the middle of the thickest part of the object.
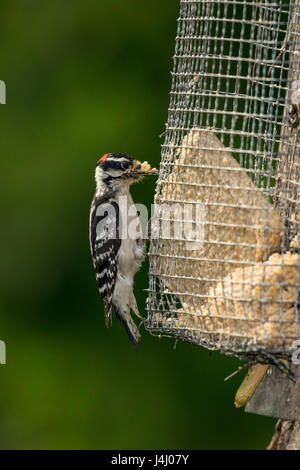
(224, 258)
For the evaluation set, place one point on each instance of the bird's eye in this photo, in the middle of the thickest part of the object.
(124, 165)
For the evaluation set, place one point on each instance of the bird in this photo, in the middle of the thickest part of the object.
(116, 239)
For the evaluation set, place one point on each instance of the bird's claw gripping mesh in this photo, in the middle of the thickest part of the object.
(224, 253)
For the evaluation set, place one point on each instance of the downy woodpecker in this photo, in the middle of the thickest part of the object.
(117, 252)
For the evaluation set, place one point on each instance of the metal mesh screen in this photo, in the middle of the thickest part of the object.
(224, 263)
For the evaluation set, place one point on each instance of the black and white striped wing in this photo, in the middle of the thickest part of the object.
(105, 244)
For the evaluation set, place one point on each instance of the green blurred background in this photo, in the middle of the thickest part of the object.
(84, 79)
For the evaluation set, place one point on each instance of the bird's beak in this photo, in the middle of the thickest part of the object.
(143, 169)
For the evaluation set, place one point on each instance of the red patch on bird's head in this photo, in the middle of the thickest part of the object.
(103, 158)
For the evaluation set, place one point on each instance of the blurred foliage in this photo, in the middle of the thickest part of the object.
(84, 79)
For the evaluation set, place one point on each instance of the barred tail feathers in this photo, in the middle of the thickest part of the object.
(129, 325)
